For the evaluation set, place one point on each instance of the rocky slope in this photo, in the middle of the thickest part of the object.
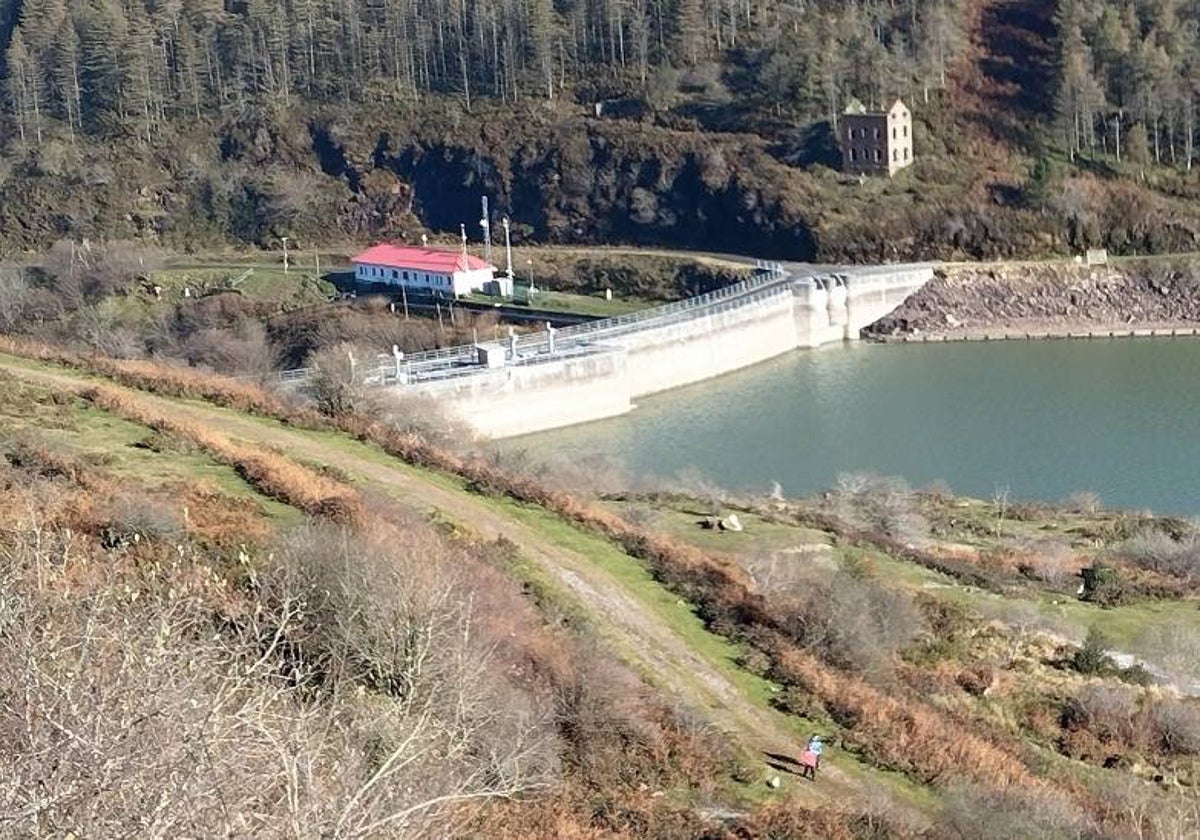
(1050, 297)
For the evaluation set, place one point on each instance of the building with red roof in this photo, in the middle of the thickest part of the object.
(427, 270)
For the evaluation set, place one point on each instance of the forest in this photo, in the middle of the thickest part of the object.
(102, 67)
(1041, 128)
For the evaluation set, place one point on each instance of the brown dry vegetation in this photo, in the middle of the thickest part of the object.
(271, 473)
(889, 724)
(722, 592)
(350, 683)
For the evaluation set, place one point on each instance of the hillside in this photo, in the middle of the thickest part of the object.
(363, 600)
(1040, 128)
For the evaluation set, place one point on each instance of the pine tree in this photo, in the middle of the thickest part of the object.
(20, 89)
(692, 31)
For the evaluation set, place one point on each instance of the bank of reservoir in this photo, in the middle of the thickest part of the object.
(1043, 419)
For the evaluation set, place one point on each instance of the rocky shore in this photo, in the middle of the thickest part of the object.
(1135, 297)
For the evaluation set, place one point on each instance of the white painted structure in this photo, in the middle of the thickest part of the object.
(429, 270)
(599, 369)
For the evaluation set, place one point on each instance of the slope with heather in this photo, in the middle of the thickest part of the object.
(928, 706)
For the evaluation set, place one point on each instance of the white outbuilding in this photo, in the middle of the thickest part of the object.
(429, 270)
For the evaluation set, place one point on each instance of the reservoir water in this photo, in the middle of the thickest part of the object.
(1042, 419)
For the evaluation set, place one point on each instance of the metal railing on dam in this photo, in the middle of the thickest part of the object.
(770, 279)
(532, 348)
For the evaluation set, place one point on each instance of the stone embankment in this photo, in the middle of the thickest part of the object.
(1044, 300)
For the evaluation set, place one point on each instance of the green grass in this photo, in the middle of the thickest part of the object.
(761, 534)
(587, 304)
(265, 282)
(113, 444)
(636, 579)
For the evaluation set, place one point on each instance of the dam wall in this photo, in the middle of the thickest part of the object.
(520, 399)
(574, 375)
(710, 344)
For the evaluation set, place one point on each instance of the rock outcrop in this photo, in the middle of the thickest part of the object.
(1049, 297)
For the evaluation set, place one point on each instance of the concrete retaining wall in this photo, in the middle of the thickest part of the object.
(875, 294)
(511, 401)
(710, 345)
(717, 340)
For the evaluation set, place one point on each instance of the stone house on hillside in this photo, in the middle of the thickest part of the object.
(876, 142)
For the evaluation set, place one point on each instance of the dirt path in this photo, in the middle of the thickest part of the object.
(633, 629)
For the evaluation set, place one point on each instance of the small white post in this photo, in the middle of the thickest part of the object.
(507, 248)
(512, 344)
(550, 332)
(399, 357)
(285, 254)
(486, 223)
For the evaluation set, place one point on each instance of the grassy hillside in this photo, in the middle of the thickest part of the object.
(658, 674)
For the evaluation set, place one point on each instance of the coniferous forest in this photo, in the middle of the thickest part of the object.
(1041, 128)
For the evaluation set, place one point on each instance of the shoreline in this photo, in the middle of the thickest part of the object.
(1038, 332)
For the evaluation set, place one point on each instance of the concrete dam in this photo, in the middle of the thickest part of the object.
(595, 370)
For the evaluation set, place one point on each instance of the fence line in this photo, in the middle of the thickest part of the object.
(770, 278)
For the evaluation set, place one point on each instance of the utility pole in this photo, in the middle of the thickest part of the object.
(507, 247)
(486, 223)
(285, 254)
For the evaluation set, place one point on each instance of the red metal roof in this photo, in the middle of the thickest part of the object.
(420, 259)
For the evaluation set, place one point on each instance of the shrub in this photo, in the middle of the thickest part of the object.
(1177, 724)
(851, 622)
(1083, 501)
(1152, 548)
(1176, 648)
(146, 517)
(1136, 674)
(1103, 585)
(886, 505)
(1092, 657)
(1107, 712)
(977, 680)
(151, 660)
(975, 813)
